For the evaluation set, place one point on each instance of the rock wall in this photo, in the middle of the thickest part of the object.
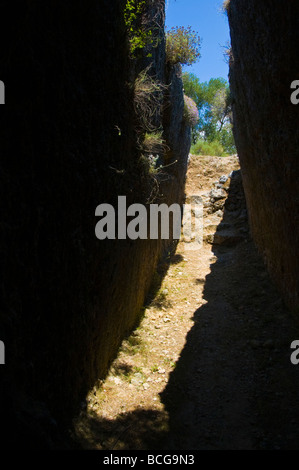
(264, 63)
(68, 143)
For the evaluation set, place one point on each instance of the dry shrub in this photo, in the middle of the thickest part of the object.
(148, 98)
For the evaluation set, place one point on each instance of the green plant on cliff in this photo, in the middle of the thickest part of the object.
(153, 142)
(132, 14)
(141, 28)
(182, 45)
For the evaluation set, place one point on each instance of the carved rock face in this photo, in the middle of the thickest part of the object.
(263, 65)
(68, 143)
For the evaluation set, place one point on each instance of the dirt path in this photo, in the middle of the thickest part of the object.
(209, 366)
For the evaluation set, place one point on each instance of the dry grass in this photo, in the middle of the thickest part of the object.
(153, 142)
(148, 98)
(226, 5)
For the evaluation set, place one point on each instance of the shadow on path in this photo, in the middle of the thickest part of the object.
(233, 386)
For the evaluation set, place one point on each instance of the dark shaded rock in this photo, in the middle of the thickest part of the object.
(264, 63)
(224, 237)
(68, 143)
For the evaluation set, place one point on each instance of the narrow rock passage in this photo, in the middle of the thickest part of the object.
(209, 366)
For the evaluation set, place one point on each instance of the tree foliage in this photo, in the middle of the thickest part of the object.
(213, 100)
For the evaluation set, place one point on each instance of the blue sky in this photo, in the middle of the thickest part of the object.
(206, 18)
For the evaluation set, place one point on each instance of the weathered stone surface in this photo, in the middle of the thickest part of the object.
(217, 193)
(225, 237)
(223, 179)
(264, 63)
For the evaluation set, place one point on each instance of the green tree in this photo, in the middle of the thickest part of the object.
(193, 88)
(214, 105)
